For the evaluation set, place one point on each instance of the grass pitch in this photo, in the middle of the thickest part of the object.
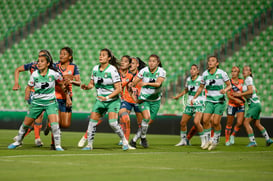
(161, 161)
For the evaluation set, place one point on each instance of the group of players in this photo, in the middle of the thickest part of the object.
(122, 86)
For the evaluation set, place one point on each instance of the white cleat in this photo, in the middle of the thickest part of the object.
(38, 142)
(212, 146)
(82, 142)
(182, 143)
(231, 140)
(131, 148)
(206, 145)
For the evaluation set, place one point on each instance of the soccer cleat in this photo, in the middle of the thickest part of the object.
(206, 145)
(252, 144)
(38, 142)
(131, 148)
(182, 143)
(228, 143)
(52, 147)
(269, 142)
(46, 130)
(120, 143)
(188, 142)
(82, 142)
(231, 140)
(59, 148)
(125, 147)
(144, 143)
(14, 145)
(212, 146)
(132, 144)
(88, 148)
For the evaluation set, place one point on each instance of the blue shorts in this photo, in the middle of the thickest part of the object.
(231, 111)
(62, 105)
(129, 106)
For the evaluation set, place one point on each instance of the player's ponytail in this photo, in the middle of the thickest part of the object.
(140, 63)
(113, 61)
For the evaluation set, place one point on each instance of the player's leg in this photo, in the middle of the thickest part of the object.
(263, 131)
(113, 109)
(125, 118)
(83, 140)
(249, 131)
(183, 127)
(37, 129)
(218, 112)
(53, 119)
(64, 114)
(34, 112)
(197, 122)
(240, 118)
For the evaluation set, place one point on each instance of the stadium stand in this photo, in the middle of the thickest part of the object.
(15, 13)
(178, 31)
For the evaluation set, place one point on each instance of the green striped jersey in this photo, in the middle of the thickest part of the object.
(44, 86)
(214, 83)
(251, 97)
(192, 86)
(104, 80)
(148, 92)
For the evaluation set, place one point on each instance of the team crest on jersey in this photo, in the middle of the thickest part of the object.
(127, 80)
(196, 83)
(217, 76)
(69, 72)
(36, 80)
(105, 75)
(50, 79)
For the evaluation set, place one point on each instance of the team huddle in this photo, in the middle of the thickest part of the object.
(131, 84)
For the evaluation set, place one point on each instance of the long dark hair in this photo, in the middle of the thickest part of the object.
(50, 61)
(128, 57)
(141, 64)
(250, 70)
(158, 59)
(113, 61)
(69, 51)
(47, 53)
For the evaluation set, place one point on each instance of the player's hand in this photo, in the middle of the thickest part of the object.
(192, 101)
(176, 97)
(16, 87)
(101, 98)
(84, 87)
(68, 103)
(237, 94)
(222, 91)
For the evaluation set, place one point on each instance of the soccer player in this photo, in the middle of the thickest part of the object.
(106, 79)
(191, 86)
(127, 103)
(214, 79)
(44, 99)
(152, 78)
(254, 110)
(236, 105)
(37, 124)
(71, 75)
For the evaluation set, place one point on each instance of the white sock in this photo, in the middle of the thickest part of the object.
(91, 131)
(144, 128)
(56, 133)
(137, 136)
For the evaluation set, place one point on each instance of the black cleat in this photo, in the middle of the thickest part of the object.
(52, 147)
(46, 130)
(132, 143)
(144, 143)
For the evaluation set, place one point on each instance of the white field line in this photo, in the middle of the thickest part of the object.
(125, 153)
